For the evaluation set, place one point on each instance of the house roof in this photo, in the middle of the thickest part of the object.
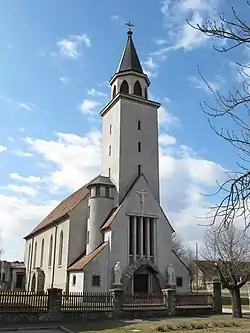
(61, 210)
(85, 259)
(206, 265)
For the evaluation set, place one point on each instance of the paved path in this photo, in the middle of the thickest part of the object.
(230, 311)
(35, 330)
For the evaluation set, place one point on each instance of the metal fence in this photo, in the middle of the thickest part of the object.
(144, 301)
(188, 300)
(87, 301)
(21, 301)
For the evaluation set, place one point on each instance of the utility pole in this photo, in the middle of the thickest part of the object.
(197, 268)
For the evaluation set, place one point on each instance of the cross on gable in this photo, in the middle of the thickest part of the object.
(142, 194)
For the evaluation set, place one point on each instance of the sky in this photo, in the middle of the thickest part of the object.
(56, 60)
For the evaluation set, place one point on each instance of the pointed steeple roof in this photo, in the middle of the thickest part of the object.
(130, 60)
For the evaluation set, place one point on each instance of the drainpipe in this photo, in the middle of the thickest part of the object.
(30, 259)
(54, 259)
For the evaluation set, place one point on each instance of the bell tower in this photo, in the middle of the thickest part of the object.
(130, 126)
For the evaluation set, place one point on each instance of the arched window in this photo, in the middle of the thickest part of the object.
(35, 252)
(146, 93)
(60, 249)
(137, 89)
(114, 92)
(50, 250)
(42, 251)
(124, 87)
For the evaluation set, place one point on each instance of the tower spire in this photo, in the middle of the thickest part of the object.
(130, 60)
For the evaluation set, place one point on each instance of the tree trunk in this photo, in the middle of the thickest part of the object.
(236, 303)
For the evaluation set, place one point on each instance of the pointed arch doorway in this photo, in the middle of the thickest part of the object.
(143, 277)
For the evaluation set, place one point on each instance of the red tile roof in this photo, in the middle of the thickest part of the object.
(62, 209)
(85, 259)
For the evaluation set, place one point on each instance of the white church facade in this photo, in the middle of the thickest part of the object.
(114, 225)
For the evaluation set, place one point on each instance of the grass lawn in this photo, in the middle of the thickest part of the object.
(220, 324)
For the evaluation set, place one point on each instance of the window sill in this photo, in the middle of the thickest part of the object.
(59, 266)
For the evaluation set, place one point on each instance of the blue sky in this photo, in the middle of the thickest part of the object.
(55, 62)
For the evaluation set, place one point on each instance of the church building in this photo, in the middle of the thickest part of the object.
(114, 222)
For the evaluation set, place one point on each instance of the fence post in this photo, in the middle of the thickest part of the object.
(171, 302)
(118, 299)
(217, 297)
(55, 302)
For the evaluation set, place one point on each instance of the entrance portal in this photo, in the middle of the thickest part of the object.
(141, 283)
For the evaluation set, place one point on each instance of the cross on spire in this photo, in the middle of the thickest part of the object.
(129, 24)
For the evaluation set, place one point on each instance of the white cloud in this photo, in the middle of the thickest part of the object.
(64, 79)
(22, 153)
(179, 33)
(87, 106)
(75, 159)
(24, 106)
(29, 179)
(199, 83)
(72, 47)
(11, 139)
(12, 104)
(2, 148)
(17, 218)
(166, 118)
(94, 92)
(149, 63)
(149, 67)
(166, 139)
(28, 190)
(114, 17)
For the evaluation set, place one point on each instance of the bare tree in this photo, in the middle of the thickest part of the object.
(231, 247)
(186, 255)
(235, 191)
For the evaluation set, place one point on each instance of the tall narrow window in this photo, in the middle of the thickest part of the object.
(139, 147)
(131, 235)
(88, 211)
(88, 237)
(97, 191)
(137, 89)
(144, 236)
(107, 192)
(109, 172)
(73, 280)
(139, 169)
(114, 92)
(110, 129)
(29, 256)
(139, 125)
(50, 251)
(138, 236)
(146, 93)
(42, 251)
(109, 150)
(124, 87)
(60, 249)
(151, 225)
(35, 252)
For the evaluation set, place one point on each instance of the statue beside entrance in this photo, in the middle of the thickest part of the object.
(171, 276)
(118, 273)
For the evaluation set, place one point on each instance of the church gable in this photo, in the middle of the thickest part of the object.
(140, 201)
